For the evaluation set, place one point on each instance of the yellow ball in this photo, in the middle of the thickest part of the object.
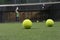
(49, 22)
(27, 23)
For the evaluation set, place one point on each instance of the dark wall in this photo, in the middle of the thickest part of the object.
(54, 11)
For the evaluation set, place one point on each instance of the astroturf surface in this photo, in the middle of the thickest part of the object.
(39, 31)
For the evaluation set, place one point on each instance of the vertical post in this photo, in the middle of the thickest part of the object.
(1, 14)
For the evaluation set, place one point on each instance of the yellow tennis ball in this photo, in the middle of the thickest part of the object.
(49, 22)
(27, 23)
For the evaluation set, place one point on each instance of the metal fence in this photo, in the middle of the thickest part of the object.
(34, 12)
(25, 1)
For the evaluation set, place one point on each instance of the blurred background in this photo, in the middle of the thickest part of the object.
(34, 12)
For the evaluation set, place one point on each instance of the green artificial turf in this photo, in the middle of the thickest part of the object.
(39, 31)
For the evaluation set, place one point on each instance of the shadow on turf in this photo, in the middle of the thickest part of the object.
(31, 28)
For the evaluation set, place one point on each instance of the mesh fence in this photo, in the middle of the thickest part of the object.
(33, 11)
